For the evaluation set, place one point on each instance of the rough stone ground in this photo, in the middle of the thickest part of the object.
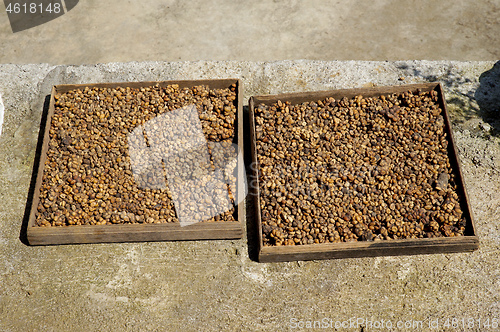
(214, 285)
(118, 31)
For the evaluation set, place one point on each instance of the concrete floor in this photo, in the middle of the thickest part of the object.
(214, 285)
(262, 30)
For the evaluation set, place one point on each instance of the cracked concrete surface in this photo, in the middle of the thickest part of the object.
(214, 285)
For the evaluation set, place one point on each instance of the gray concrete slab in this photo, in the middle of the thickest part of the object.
(214, 285)
(116, 30)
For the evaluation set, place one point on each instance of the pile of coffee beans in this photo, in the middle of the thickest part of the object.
(359, 169)
(87, 176)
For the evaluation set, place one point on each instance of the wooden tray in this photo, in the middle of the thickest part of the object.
(132, 232)
(469, 242)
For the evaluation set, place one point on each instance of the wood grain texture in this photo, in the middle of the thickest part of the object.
(134, 232)
(466, 243)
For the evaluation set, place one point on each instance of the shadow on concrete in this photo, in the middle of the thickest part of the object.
(449, 79)
(252, 231)
(487, 96)
(27, 210)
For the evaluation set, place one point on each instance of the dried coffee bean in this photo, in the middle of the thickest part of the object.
(87, 176)
(367, 169)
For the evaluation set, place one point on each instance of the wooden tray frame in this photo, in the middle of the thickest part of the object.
(466, 243)
(134, 232)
